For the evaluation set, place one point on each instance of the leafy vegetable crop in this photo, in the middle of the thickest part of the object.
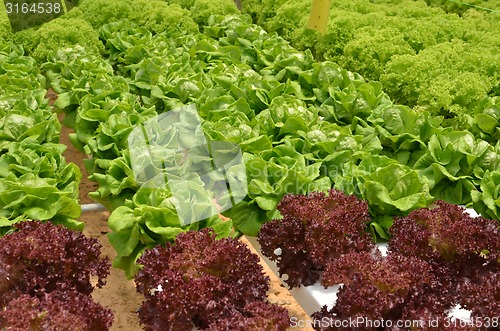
(315, 229)
(149, 219)
(45, 280)
(302, 126)
(35, 180)
(36, 183)
(205, 283)
(486, 200)
(423, 56)
(69, 310)
(59, 33)
(437, 257)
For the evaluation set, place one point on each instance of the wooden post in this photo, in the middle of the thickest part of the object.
(318, 20)
(238, 4)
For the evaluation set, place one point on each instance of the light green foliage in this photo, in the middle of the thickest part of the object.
(35, 180)
(262, 11)
(370, 49)
(486, 121)
(19, 74)
(5, 29)
(100, 12)
(187, 4)
(289, 18)
(453, 161)
(446, 78)
(80, 26)
(36, 183)
(155, 15)
(158, 16)
(57, 34)
(441, 62)
(202, 9)
(147, 219)
(486, 198)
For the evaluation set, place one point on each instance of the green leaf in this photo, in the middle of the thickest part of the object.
(126, 241)
(266, 203)
(247, 218)
(121, 219)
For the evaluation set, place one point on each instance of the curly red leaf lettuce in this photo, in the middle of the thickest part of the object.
(42, 257)
(200, 281)
(57, 310)
(315, 229)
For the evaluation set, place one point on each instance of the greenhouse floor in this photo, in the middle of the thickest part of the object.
(119, 294)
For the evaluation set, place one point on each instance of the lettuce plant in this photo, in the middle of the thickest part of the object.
(45, 279)
(58, 310)
(389, 187)
(59, 33)
(453, 161)
(446, 233)
(149, 219)
(206, 283)
(5, 28)
(377, 287)
(315, 229)
(437, 257)
(486, 198)
(400, 46)
(37, 183)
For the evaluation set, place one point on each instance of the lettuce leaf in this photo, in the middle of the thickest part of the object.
(486, 198)
(149, 219)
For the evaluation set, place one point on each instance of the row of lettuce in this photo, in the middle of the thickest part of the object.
(423, 56)
(45, 270)
(444, 263)
(35, 180)
(302, 125)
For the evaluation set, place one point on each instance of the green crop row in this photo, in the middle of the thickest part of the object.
(423, 57)
(35, 180)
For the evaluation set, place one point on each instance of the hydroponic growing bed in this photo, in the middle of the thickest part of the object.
(192, 123)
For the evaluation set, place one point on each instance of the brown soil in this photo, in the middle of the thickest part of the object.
(119, 293)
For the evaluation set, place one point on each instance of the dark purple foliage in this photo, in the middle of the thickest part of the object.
(438, 257)
(42, 257)
(45, 280)
(464, 253)
(481, 295)
(256, 315)
(315, 229)
(55, 311)
(200, 280)
(446, 233)
(377, 287)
